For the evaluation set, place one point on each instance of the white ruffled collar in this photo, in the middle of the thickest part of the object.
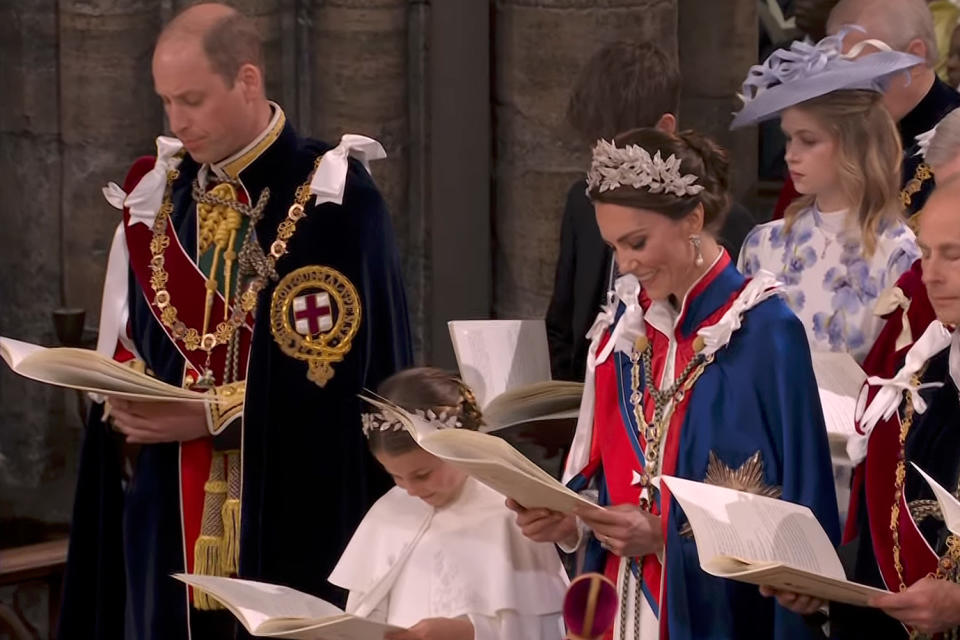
(665, 318)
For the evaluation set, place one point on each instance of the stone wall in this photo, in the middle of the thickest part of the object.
(718, 45)
(539, 47)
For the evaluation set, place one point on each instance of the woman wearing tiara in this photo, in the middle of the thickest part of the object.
(439, 554)
(695, 372)
(844, 241)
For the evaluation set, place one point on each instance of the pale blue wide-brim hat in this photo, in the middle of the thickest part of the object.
(806, 70)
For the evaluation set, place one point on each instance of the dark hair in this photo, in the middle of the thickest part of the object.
(698, 155)
(625, 85)
(423, 388)
(232, 42)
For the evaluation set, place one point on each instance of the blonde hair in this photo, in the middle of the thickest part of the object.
(868, 154)
(896, 22)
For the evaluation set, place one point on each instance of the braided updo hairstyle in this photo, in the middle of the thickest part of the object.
(424, 388)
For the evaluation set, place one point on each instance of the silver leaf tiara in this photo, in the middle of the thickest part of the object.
(446, 418)
(632, 166)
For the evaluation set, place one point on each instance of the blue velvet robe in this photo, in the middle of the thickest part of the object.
(759, 395)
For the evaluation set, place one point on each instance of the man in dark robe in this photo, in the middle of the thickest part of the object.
(258, 268)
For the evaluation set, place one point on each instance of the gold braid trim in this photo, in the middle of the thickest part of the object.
(230, 544)
(921, 175)
(225, 406)
(900, 477)
(949, 566)
(206, 552)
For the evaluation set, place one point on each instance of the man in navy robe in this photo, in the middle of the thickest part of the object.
(258, 268)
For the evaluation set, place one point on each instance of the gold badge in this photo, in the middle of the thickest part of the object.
(314, 315)
(748, 478)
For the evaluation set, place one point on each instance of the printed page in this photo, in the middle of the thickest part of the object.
(839, 379)
(496, 355)
(86, 370)
(489, 459)
(14, 351)
(754, 529)
(498, 465)
(462, 444)
(255, 603)
(555, 398)
(949, 506)
(794, 580)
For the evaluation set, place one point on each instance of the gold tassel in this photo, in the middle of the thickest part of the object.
(206, 551)
(230, 549)
(206, 561)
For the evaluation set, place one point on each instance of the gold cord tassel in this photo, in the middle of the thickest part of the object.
(230, 548)
(232, 221)
(211, 289)
(206, 552)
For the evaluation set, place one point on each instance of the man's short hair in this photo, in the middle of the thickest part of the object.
(896, 22)
(624, 86)
(231, 43)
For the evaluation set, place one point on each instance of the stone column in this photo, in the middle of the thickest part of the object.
(718, 43)
(539, 47)
(109, 115)
(34, 448)
(458, 255)
(359, 51)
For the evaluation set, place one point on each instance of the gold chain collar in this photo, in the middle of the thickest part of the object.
(948, 567)
(665, 405)
(169, 316)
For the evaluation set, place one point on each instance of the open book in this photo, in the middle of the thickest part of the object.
(273, 611)
(506, 363)
(949, 506)
(489, 459)
(764, 541)
(839, 379)
(86, 370)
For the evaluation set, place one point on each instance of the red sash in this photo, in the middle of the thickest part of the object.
(187, 286)
(916, 556)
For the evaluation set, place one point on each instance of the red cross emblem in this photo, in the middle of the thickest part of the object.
(312, 314)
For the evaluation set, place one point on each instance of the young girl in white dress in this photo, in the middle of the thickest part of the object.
(845, 240)
(440, 554)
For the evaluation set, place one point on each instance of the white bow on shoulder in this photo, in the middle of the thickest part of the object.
(330, 178)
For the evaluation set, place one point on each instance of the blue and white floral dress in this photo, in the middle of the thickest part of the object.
(829, 283)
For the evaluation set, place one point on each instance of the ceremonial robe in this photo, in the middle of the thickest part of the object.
(335, 300)
(754, 408)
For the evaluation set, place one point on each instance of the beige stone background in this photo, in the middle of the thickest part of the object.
(467, 97)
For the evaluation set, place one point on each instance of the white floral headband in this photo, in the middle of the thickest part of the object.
(633, 166)
(442, 418)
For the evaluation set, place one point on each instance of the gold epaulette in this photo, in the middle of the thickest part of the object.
(225, 405)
